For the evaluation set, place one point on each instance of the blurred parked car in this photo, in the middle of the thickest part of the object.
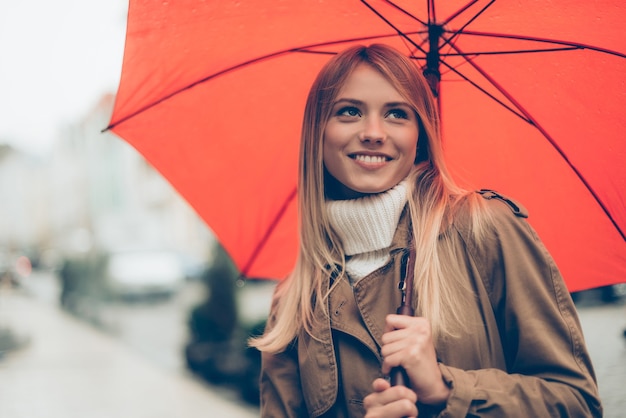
(144, 273)
(600, 295)
(219, 328)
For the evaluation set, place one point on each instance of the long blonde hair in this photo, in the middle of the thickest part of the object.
(432, 200)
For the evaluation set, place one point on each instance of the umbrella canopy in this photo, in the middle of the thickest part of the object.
(531, 95)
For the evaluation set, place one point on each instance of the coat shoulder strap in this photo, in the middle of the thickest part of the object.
(515, 207)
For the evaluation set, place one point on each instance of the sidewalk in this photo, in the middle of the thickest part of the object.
(603, 326)
(68, 369)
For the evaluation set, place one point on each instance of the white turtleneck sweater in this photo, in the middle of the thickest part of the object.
(366, 227)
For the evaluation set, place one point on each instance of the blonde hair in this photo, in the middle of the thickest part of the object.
(432, 199)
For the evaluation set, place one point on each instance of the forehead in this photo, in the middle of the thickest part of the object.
(365, 82)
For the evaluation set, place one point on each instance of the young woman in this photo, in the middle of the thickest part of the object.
(495, 332)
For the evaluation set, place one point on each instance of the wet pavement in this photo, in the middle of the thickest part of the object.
(67, 368)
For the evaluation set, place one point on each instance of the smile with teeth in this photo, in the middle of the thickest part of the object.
(370, 159)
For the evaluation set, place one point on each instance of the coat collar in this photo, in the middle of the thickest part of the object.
(369, 301)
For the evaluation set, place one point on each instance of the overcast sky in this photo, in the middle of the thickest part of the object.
(57, 58)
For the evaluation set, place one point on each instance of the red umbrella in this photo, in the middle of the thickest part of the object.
(531, 94)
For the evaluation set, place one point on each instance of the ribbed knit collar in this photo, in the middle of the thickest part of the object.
(368, 223)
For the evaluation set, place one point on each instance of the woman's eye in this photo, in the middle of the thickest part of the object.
(349, 111)
(398, 114)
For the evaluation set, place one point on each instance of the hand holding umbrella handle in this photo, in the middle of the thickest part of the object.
(398, 375)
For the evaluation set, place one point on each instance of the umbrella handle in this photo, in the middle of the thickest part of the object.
(398, 375)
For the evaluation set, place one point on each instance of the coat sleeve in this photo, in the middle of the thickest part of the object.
(549, 372)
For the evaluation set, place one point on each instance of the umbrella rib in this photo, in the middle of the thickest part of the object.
(511, 52)
(432, 17)
(391, 25)
(551, 140)
(268, 233)
(483, 90)
(456, 34)
(574, 45)
(491, 96)
(412, 16)
(407, 13)
(458, 12)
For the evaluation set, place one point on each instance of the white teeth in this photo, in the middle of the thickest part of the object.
(370, 159)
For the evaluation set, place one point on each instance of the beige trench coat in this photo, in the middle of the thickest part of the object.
(522, 354)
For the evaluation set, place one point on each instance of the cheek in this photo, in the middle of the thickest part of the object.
(409, 144)
(332, 135)
(329, 156)
(327, 148)
(331, 142)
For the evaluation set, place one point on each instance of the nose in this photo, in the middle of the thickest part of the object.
(373, 130)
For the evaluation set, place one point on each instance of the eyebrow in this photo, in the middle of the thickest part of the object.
(361, 103)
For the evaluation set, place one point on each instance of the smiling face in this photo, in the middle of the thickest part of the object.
(370, 140)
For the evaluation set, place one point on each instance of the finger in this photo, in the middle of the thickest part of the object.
(400, 321)
(396, 352)
(399, 334)
(392, 360)
(418, 331)
(388, 395)
(394, 321)
(397, 401)
(409, 343)
(401, 408)
(380, 385)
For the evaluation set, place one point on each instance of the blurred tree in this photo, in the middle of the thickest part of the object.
(216, 318)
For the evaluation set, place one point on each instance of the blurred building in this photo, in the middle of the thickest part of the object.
(23, 219)
(93, 191)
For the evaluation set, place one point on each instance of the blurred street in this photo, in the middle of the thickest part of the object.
(67, 367)
(131, 363)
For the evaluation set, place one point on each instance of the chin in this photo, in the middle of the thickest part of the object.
(371, 190)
